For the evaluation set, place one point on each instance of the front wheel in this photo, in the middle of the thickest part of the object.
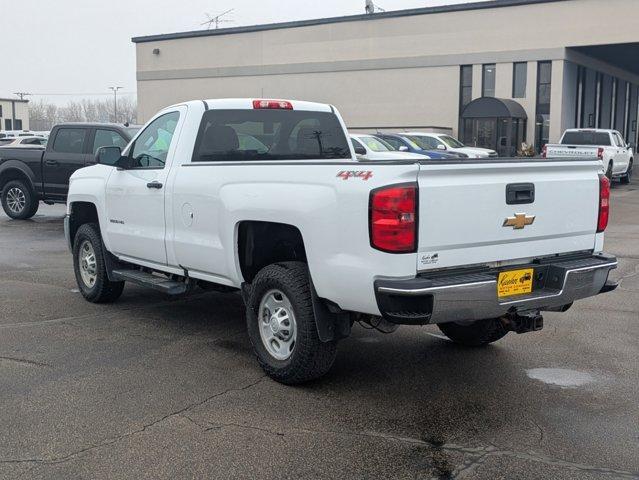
(18, 200)
(281, 325)
(627, 177)
(90, 269)
(476, 334)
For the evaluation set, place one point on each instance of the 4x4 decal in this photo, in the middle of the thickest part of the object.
(362, 174)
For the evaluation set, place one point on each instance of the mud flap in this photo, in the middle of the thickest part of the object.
(330, 325)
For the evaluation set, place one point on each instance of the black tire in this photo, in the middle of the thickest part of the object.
(28, 202)
(476, 334)
(310, 358)
(609, 172)
(102, 290)
(627, 177)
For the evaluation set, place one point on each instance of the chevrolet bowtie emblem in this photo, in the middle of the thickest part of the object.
(519, 221)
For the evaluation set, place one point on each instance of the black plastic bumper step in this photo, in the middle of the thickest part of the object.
(161, 284)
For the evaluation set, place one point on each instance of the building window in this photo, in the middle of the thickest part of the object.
(542, 119)
(488, 80)
(520, 75)
(18, 124)
(0, 110)
(7, 124)
(465, 86)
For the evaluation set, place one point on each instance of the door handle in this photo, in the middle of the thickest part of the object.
(51, 163)
(157, 185)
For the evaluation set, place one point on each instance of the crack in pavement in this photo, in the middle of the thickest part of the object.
(114, 440)
(478, 454)
(24, 361)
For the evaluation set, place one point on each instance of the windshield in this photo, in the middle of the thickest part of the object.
(375, 144)
(451, 142)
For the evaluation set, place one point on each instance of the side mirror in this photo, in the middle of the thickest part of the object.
(360, 151)
(441, 147)
(403, 148)
(110, 156)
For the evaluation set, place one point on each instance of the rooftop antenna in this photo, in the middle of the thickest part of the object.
(372, 8)
(217, 19)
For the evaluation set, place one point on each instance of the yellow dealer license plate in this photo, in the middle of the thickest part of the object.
(515, 282)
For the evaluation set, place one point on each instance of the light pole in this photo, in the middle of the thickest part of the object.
(115, 103)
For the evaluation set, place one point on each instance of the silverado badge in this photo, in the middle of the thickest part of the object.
(519, 221)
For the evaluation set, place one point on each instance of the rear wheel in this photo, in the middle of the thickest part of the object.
(90, 269)
(18, 201)
(476, 334)
(627, 177)
(281, 325)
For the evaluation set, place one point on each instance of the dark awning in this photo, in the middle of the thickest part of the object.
(489, 107)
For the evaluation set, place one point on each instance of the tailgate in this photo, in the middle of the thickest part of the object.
(464, 217)
(571, 151)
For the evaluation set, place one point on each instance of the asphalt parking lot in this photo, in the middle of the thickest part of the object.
(153, 387)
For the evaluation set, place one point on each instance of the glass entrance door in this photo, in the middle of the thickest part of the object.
(486, 133)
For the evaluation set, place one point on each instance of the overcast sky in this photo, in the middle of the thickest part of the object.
(68, 49)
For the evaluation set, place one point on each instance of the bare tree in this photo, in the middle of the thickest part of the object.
(44, 115)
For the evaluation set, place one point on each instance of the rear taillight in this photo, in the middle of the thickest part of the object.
(604, 203)
(544, 151)
(600, 153)
(393, 218)
(272, 105)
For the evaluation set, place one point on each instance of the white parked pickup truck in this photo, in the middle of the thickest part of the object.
(606, 145)
(266, 197)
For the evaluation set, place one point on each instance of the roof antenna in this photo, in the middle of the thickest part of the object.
(217, 19)
(371, 8)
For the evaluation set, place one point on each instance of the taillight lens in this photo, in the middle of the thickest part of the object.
(272, 105)
(544, 151)
(604, 203)
(600, 153)
(393, 218)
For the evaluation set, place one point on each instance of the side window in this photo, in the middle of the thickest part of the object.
(70, 140)
(620, 141)
(393, 142)
(152, 146)
(357, 144)
(108, 138)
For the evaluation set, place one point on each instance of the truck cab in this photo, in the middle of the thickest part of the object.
(30, 174)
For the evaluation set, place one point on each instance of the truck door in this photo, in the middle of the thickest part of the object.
(622, 157)
(66, 155)
(135, 196)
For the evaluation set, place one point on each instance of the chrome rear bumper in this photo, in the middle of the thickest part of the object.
(473, 296)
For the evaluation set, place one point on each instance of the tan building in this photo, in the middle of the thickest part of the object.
(563, 63)
(14, 114)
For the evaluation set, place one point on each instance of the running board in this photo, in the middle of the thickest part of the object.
(161, 284)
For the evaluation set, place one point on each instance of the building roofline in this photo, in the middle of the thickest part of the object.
(13, 100)
(462, 7)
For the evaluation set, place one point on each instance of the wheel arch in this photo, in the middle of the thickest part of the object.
(80, 213)
(14, 170)
(261, 243)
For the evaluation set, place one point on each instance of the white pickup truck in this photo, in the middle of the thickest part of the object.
(606, 145)
(267, 198)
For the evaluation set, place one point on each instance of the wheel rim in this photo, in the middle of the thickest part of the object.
(88, 264)
(278, 329)
(16, 200)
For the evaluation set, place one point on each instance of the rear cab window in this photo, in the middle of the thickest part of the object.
(586, 138)
(263, 134)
